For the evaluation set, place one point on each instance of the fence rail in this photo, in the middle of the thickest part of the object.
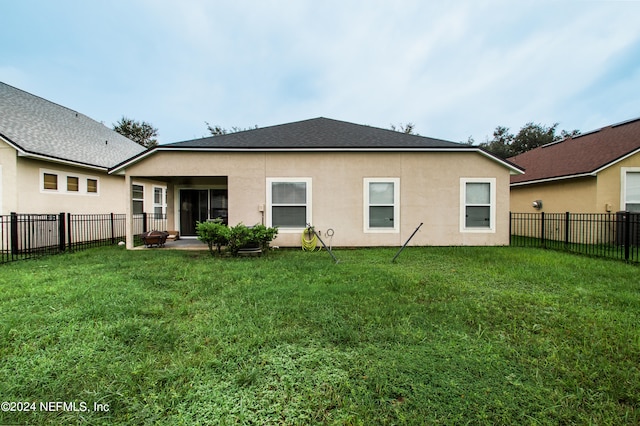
(611, 235)
(24, 236)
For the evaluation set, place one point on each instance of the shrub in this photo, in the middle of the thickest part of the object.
(264, 235)
(239, 236)
(214, 233)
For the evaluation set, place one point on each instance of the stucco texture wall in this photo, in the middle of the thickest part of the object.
(429, 190)
(31, 198)
(571, 195)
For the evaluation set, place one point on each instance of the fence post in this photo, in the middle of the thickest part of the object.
(113, 230)
(542, 231)
(61, 232)
(627, 235)
(510, 227)
(14, 234)
(69, 232)
(567, 224)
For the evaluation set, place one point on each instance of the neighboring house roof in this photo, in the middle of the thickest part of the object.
(42, 129)
(318, 134)
(578, 156)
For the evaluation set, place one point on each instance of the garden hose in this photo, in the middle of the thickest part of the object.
(309, 244)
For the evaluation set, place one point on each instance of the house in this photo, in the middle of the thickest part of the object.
(54, 159)
(370, 186)
(595, 172)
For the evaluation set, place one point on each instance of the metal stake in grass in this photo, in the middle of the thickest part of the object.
(405, 244)
(323, 244)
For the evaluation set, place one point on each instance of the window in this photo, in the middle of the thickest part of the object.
(159, 200)
(137, 196)
(92, 186)
(477, 201)
(50, 181)
(631, 186)
(72, 184)
(381, 204)
(66, 183)
(289, 202)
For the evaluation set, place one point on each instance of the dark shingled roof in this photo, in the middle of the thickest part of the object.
(317, 133)
(580, 155)
(36, 126)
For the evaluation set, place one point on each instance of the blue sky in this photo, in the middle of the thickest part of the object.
(453, 68)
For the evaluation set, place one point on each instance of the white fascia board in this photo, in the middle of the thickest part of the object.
(60, 161)
(119, 169)
(555, 179)
(617, 160)
(26, 154)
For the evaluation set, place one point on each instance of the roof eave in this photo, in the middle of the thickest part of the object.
(119, 169)
(553, 179)
(28, 154)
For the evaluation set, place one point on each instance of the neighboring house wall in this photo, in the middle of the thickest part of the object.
(611, 183)
(8, 178)
(23, 191)
(572, 195)
(430, 187)
(79, 190)
(603, 193)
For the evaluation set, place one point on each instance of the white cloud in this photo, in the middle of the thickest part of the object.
(454, 69)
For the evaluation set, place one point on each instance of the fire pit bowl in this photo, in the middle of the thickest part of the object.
(157, 238)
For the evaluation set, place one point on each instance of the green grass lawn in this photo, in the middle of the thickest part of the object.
(444, 336)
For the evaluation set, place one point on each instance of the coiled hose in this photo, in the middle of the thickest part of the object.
(309, 240)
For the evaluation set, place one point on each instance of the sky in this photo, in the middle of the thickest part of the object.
(455, 69)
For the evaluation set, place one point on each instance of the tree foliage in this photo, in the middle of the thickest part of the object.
(140, 132)
(217, 130)
(505, 144)
(408, 128)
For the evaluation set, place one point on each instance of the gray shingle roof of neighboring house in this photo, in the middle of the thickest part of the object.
(317, 133)
(40, 128)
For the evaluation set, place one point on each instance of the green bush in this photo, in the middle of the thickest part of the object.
(239, 236)
(263, 235)
(214, 233)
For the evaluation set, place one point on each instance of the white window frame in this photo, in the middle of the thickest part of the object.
(492, 205)
(623, 185)
(308, 203)
(163, 199)
(396, 205)
(144, 192)
(63, 183)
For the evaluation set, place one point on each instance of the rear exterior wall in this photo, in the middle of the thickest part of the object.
(429, 184)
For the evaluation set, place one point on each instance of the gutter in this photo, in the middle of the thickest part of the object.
(553, 179)
(28, 154)
(119, 168)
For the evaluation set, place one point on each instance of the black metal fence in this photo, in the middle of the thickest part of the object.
(612, 235)
(24, 236)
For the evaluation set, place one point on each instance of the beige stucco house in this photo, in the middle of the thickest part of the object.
(595, 172)
(54, 159)
(371, 186)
